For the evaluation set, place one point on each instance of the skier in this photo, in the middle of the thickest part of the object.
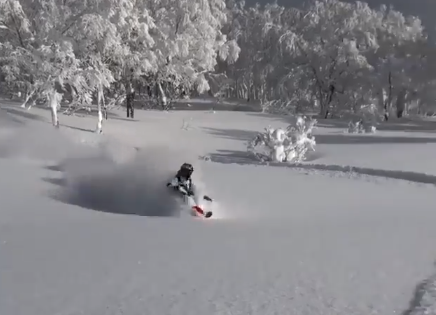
(183, 181)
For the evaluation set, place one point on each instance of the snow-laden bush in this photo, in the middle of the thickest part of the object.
(285, 145)
(277, 107)
(361, 127)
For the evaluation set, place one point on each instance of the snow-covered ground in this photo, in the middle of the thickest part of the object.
(87, 226)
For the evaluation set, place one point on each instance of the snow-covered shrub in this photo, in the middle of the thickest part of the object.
(277, 107)
(186, 124)
(302, 138)
(285, 145)
(361, 127)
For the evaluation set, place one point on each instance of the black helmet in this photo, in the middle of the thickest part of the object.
(186, 170)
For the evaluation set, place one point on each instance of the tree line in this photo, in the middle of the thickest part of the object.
(329, 56)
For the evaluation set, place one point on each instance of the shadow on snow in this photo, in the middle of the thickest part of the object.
(403, 124)
(338, 138)
(236, 134)
(22, 113)
(343, 138)
(245, 158)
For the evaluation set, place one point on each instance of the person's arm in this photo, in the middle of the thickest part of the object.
(174, 183)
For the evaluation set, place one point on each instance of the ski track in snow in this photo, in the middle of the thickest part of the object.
(84, 230)
(424, 298)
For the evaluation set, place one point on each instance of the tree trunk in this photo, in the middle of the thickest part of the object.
(54, 99)
(389, 98)
(401, 103)
(100, 100)
(130, 96)
(162, 96)
(28, 96)
(381, 98)
(330, 95)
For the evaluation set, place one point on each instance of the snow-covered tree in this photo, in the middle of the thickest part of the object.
(44, 49)
(188, 41)
(257, 32)
(82, 47)
(327, 56)
(398, 60)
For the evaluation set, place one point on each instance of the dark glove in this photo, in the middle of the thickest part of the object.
(207, 198)
(173, 187)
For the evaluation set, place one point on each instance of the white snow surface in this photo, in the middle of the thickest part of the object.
(87, 225)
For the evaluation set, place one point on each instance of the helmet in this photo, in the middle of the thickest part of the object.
(186, 170)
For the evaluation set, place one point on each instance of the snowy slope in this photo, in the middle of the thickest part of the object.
(96, 234)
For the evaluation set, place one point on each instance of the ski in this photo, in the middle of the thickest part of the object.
(200, 212)
(196, 209)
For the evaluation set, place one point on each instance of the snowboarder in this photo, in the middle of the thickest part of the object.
(183, 181)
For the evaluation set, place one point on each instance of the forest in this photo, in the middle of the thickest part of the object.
(327, 57)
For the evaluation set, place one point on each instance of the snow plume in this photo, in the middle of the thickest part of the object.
(215, 206)
(136, 186)
(36, 142)
(98, 172)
